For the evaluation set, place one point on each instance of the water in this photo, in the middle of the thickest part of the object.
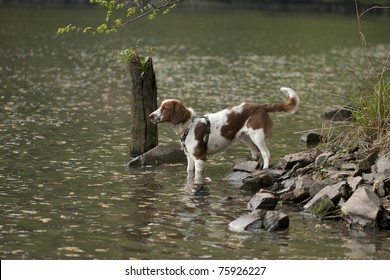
(64, 107)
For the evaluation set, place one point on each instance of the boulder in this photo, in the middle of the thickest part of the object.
(333, 192)
(303, 158)
(339, 115)
(162, 154)
(363, 208)
(354, 182)
(302, 188)
(246, 166)
(311, 138)
(260, 221)
(236, 176)
(383, 165)
(263, 200)
(322, 207)
(323, 158)
(254, 184)
(365, 164)
(319, 185)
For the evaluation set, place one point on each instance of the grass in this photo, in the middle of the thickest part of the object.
(371, 107)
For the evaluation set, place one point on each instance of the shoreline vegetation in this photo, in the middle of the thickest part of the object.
(293, 6)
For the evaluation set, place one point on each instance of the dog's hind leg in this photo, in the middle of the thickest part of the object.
(258, 137)
(252, 146)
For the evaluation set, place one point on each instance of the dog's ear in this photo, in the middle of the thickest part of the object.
(179, 113)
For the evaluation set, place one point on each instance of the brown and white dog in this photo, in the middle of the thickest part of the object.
(202, 136)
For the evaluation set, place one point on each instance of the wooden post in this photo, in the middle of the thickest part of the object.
(144, 134)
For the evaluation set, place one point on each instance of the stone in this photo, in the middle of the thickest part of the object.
(334, 192)
(365, 164)
(322, 206)
(348, 166)
(339, 115)
(363, 208)
(311, 138)
(254, 184)
(384, 220)
(379, 187)
(260, 221)
(263, 200)
(162, 154)
(246, 166)
(383, 165)
(236, 177)
(302, 188)
(303, 158)
(354, 182)
(322, 158)
(319, 185)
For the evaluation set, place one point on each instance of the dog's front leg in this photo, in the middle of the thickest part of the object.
(199, 171)
(190, 168)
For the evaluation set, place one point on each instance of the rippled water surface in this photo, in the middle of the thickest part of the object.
(64, 127)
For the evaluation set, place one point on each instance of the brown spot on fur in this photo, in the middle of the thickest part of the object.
(201, 148)
(286, 106)
(261, 119)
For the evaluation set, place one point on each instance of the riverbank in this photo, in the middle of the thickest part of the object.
(352, 186)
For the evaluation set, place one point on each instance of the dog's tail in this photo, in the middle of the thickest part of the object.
(290, 105)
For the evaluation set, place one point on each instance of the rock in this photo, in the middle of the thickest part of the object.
(365, 164)
(383, 165)
(354, 182)
(384, 220)
(379, 187)
(311, 138)
(260, 220)
(263, 200)
(334, 192)
(236, 176)
(319, 185)
(322, 158)
(162, 154)
(303, 158)
(322, 206)
(201, 190)
(254, 184)
(246, 166)
(348, 166)
(302, 187)
(339, 115)
(363, 208)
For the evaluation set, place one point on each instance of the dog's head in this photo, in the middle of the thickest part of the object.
(171, 110)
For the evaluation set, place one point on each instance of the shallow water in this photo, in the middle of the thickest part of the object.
(64, 106)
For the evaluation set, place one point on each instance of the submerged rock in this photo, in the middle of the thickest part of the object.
(260, 220)
(162, 154)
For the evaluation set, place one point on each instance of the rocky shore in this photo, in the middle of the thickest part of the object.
(350, 185)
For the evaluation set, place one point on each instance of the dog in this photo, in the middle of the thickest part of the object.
(211, 133)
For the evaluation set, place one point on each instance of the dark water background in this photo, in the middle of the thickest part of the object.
(64, 119)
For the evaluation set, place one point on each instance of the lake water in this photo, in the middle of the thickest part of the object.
(64, 127)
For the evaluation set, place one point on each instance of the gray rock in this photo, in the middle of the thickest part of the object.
(260, 221)
(334, 192)
(348, 166)
(236, 176)
(383, 165)
(363, 208)
(263, 200)
(302, 188)
(254, 184)
(379, 187)
(354, 182)
(319, 185)
(339, 115)
(365, 164)
(246, 166)
(162, 154)
(323, 206)
(322, 158)
(303, 158)
(311, 138)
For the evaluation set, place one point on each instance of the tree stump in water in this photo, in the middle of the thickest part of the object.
(143, 102)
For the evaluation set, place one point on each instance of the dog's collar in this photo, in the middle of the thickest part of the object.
(184, 130)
